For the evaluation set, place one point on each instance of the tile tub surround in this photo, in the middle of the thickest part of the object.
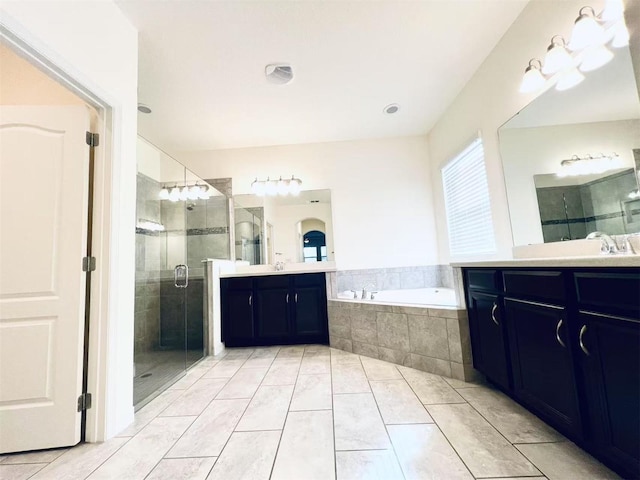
(394, 278)
(434, 340)
(397, 278)
(399, 423)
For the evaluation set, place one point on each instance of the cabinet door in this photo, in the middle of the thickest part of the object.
(237, 317)
(610, 364)
(310, 314)
(309, 307)
(487, 337)
(272, 312)
(543, 375)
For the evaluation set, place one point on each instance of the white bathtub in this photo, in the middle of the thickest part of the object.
(411, 296)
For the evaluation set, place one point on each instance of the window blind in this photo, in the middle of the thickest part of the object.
(467, 205)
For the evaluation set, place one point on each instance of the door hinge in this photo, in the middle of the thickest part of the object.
(84, 402)
(88, 264)
(93, 139)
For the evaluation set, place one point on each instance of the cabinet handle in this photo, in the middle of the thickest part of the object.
(287, 298)
(582, 332)
(558, 333)
(250, 300)
(493, 314)
(296, 298)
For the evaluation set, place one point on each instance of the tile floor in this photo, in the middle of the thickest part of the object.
(312, 412)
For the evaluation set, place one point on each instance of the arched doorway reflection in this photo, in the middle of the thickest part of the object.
(314, 247)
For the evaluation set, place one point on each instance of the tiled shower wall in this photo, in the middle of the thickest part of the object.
(147, 290)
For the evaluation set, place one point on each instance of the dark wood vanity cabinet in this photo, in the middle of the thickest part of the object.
(274, 310)
(536, 315)
(485, 322)
(572, 351)
(608, 356)
(237, 304)
(541, 362)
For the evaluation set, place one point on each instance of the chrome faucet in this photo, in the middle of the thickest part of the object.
(608, 245)
(364, 290)
(626, 247)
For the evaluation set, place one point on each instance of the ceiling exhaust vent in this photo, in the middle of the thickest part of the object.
(279, 74)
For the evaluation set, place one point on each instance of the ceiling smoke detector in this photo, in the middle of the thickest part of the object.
(279, 74)
(391, 109)
(142, 108)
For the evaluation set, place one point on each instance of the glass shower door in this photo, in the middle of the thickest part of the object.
(159, 338)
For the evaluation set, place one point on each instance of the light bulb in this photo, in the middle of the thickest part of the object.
(621, 37)
(184, 193)
(586, 31)
(533, 79)
(258, 187)
(613, 10)
(164, 193)
(205, 192)
(557, 57)
(596, 58)
(569, 79)
(294, 185)
(174, 196)
(194, 192)
(283, 187)
(271, 187)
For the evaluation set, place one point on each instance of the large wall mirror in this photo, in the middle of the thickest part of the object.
(290, 229)
(600, 116)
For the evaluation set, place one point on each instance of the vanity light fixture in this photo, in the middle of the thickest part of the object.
(150, 225)
(586, 31)
(557, 57)
(533, 79)
(282, 186)
(588, 44)
(589, 165)
(188, 192)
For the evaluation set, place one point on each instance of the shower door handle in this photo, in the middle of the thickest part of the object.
(181, 276)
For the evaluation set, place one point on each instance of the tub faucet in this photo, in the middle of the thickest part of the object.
(364, 290)
(608, 245)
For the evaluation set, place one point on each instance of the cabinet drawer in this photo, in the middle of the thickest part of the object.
(609, 292)
(272, 281)
(535, 285)
(483, 279)
(239, 283)
(309, 280)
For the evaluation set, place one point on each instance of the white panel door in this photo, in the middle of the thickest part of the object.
(44, 163)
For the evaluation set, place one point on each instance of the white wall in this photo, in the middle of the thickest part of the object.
(380, 192)
(96, 45)
(489, 99)
(533, 151)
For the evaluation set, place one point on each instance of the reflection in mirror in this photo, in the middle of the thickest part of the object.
(572, 207)
(284, 228)
(599, 116)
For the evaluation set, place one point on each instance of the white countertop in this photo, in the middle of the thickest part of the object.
(289, 268)
(582, 261)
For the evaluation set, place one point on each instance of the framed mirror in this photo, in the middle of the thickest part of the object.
(292, 229)
(599, 117)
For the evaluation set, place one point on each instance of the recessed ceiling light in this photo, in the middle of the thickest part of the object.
(391, 109)
(280, 74)
(142, 108)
